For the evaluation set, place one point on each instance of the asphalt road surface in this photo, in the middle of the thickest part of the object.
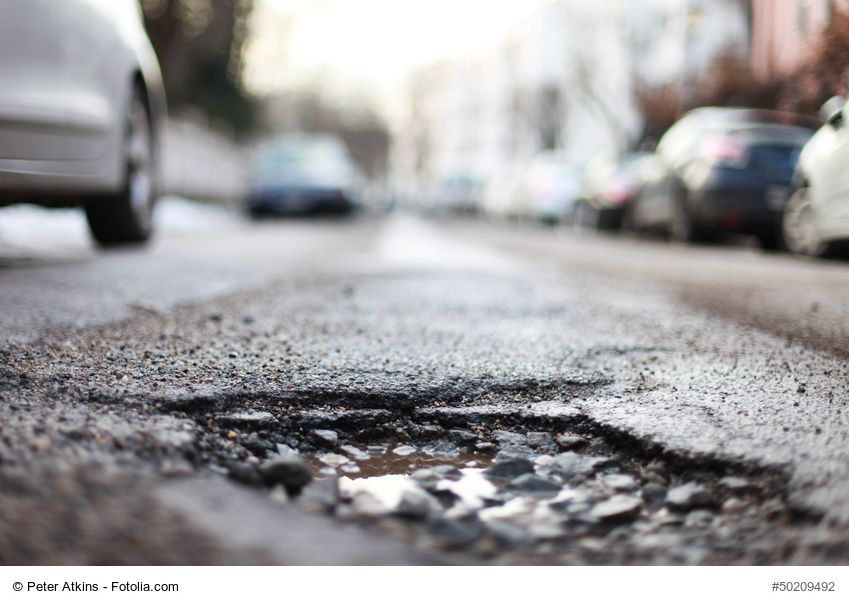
(710, 358)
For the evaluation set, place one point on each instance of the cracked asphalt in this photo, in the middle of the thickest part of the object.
(120, 368)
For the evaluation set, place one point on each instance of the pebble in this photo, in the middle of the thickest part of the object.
(620, 482)
(511, 468)
(486, 447)
(569, 443)
(462, 437)
(355, 453)
(737, 486)
(418, 504)
(325, 437)
(334, 459)
(689, 496)
(618, 509)
(293, 473)
(530, 482)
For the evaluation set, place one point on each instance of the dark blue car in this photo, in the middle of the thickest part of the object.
(722, 170)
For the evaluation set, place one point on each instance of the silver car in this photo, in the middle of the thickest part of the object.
(81, 103)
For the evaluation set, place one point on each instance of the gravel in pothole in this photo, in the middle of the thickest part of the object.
(528, 498)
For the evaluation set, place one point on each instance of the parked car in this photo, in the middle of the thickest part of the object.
(816, 218)
(547, 190)
(304, 173)
(722, 170)
(81, 105)
(458, 194)
(611, 184)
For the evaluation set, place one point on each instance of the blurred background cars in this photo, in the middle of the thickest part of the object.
(816, 218)
(722, 170)
(304, 173)
(547, 190)
(81, 101)
(611, 184)
(458, 194)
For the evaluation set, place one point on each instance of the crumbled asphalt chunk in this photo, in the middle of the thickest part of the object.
(541, 441)
(462, 437)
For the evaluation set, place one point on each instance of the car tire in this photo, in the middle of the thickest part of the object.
(683, 228)
(799, 226)
(127, 217)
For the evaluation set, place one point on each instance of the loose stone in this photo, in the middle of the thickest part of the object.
(532, 483)
(689, 496)
(325, 437)
(293, 473)
(618, 509)
(511, 468)
(541, 441)
(569, 443)
(620, 482)
(334, 459)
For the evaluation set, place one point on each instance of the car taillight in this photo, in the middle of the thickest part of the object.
(618, 190)
(725, 150)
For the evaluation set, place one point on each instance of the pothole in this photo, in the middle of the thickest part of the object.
(508, 481)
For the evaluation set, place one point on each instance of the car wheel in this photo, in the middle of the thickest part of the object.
(127, 217)
(799, 226)
(683, 227)
(586, 216)
(769, 242)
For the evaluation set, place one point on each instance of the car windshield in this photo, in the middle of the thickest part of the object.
(303, 161)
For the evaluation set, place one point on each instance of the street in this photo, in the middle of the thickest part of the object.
(667, 403)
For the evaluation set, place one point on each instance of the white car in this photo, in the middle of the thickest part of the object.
(816, 217)
(81, 103)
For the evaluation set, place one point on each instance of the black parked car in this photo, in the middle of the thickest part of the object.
(722, 170)
(304, 173)
(611, 184)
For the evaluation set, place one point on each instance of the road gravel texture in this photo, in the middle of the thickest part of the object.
(143, 439)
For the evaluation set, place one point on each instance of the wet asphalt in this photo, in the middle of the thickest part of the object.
(712, 360)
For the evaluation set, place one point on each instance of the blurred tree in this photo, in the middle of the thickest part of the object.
(200, 46)
(827, 72)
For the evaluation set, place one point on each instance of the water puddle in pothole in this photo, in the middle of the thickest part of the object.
(378, 461)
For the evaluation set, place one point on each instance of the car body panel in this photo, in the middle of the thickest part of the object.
(824, 164)
(67, 70)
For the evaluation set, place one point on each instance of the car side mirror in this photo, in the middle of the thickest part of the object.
(832, 111)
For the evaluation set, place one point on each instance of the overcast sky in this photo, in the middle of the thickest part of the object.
(371, 42)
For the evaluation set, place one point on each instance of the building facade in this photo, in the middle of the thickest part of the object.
(785, 33)
(561, 79)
